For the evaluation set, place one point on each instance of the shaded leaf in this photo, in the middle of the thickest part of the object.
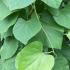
(9, 48)
(6, 23)
(53, 3)
(52, 31)
(66, 52)
(61, 63)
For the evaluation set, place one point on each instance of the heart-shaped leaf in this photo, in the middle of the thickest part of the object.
(32, 58)
(25, 30)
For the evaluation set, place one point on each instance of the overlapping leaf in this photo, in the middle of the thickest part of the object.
(63, 17)
(8, 49)
(25, 30)
(32, 58)
(52, 31)
(6, 23)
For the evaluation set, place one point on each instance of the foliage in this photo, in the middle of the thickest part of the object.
(34, 35)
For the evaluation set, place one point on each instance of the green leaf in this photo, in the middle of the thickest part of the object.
(8, 64)
(32, 58)
(66, 51)
(52, 31)
(53, 3)
(13, 5)
(61, 63)
(63, 17)
(25, 30)
(6, 23)
(4, 11)
(9, 48)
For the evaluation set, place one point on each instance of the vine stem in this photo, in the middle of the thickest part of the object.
(34, 7)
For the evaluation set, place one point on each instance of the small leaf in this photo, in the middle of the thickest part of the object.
(32, 58)
(9, 48)
(25, 30)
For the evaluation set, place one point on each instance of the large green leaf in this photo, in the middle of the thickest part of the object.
(4, 11)
(6, 23)
(53, 32)
(63, 17)
(25, 30)
(18, 4)
(53, 3)
(8, 64)
(9, 48)
(32, 58)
